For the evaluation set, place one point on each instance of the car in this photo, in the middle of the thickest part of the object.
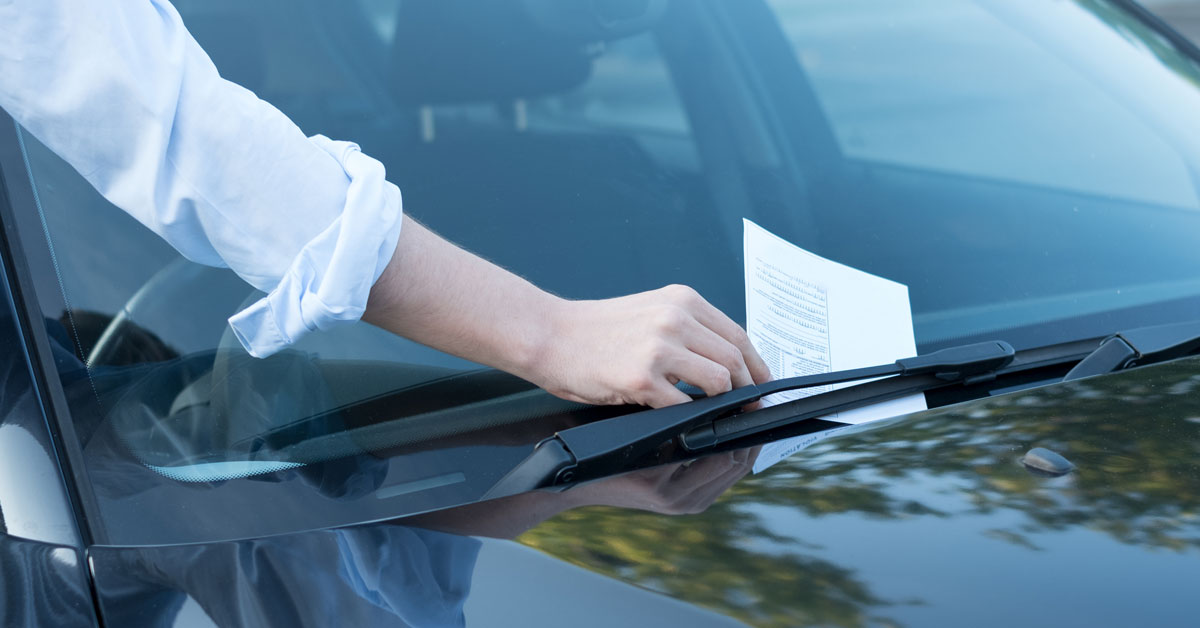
(1182, 15)
(1029, 170)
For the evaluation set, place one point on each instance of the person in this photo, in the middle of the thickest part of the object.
(122, 92)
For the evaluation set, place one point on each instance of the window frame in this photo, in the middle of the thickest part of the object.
(19, 219)
(1149, 18)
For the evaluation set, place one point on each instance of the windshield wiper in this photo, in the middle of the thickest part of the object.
(1137, 347)
(609, 446)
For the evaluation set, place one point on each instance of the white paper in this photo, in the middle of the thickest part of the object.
(806, 314)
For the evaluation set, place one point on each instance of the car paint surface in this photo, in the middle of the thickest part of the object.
(933, 520)
(930, 519)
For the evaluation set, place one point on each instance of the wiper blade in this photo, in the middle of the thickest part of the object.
(605, 447)
(1136, 347)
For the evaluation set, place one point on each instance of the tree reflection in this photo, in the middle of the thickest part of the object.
(1134, 438)
(722, 559)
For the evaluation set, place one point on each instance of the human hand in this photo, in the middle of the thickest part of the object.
(675, 489)
(634, 349)
(631, 349)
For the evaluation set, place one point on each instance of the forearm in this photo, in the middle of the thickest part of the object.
(451, 300)
(628, 350)
(504, 518)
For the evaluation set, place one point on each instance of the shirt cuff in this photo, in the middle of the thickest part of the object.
(329, 281)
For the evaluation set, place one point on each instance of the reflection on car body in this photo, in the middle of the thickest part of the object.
(1031, 171)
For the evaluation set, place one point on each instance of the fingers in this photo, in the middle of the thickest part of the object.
(752, 455)
(704, 497)
(680, 488)
(700, 372)
(696, 486)
(663, 395)
(693, 474)
(635, 349)
(716, 320)
(708, 343)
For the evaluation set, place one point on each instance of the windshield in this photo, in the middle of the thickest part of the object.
(1030, 170)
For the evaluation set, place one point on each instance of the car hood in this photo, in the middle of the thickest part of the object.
(933, 519)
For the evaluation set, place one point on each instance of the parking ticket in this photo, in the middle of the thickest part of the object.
(806, 315)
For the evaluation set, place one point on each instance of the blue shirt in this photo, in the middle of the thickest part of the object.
(122, 92)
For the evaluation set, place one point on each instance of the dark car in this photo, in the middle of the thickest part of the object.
(1029, 169)
(1182, 15)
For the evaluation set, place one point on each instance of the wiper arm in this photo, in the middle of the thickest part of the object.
(605, 447)
(1140, 346)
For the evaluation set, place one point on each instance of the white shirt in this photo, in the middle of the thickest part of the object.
(122, 92)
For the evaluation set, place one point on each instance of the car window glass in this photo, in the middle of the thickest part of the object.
(630, 88)
(962, 87)
(631, 172)
(382, 16)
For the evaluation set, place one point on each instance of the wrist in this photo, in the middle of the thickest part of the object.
(594, 493)
(532, 357)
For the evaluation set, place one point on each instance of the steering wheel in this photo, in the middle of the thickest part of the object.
(190, 300)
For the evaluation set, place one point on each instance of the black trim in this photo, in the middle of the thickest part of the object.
(16, 190)
(1149, 18)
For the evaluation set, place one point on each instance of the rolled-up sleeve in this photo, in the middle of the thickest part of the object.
(122, 92)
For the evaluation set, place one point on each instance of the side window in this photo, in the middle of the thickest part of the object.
(969, 88)
(630, 88)
(629, 93)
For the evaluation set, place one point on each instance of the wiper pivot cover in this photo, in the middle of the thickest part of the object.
(1135, 347)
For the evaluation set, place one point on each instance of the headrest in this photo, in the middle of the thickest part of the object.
(459, 51)
(589, 21)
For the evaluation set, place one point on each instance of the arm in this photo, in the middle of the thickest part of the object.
(124, 94)
(627, 350)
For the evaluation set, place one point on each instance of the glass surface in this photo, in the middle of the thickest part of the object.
(977, 90)
(1030, 171)
(33, 500)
